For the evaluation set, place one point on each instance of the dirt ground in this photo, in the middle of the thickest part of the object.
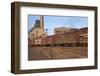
(47, 53)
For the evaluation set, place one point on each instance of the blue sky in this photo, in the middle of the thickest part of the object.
(50, 22)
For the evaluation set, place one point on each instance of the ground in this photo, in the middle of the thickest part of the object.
(47, 53)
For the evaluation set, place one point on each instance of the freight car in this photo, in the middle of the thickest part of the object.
(83, 33)
(65, 39)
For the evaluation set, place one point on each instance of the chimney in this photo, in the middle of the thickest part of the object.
(42, 23)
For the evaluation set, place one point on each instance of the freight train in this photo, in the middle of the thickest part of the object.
(70, 39)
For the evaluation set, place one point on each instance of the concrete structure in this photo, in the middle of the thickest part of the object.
(61, 30)
(37, 31)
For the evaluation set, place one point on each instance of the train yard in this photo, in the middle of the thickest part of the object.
(48, 53)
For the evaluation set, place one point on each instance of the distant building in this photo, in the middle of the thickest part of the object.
(61, 30)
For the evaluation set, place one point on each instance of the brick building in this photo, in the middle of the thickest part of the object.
(61, 30)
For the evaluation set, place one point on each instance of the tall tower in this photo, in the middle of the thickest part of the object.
(42, 23)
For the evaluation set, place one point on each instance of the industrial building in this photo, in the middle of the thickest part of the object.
(61, 30)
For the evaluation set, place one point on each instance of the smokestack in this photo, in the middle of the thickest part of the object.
(42, 23)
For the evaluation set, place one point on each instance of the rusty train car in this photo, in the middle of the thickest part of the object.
(70, 39)
(66, 39)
